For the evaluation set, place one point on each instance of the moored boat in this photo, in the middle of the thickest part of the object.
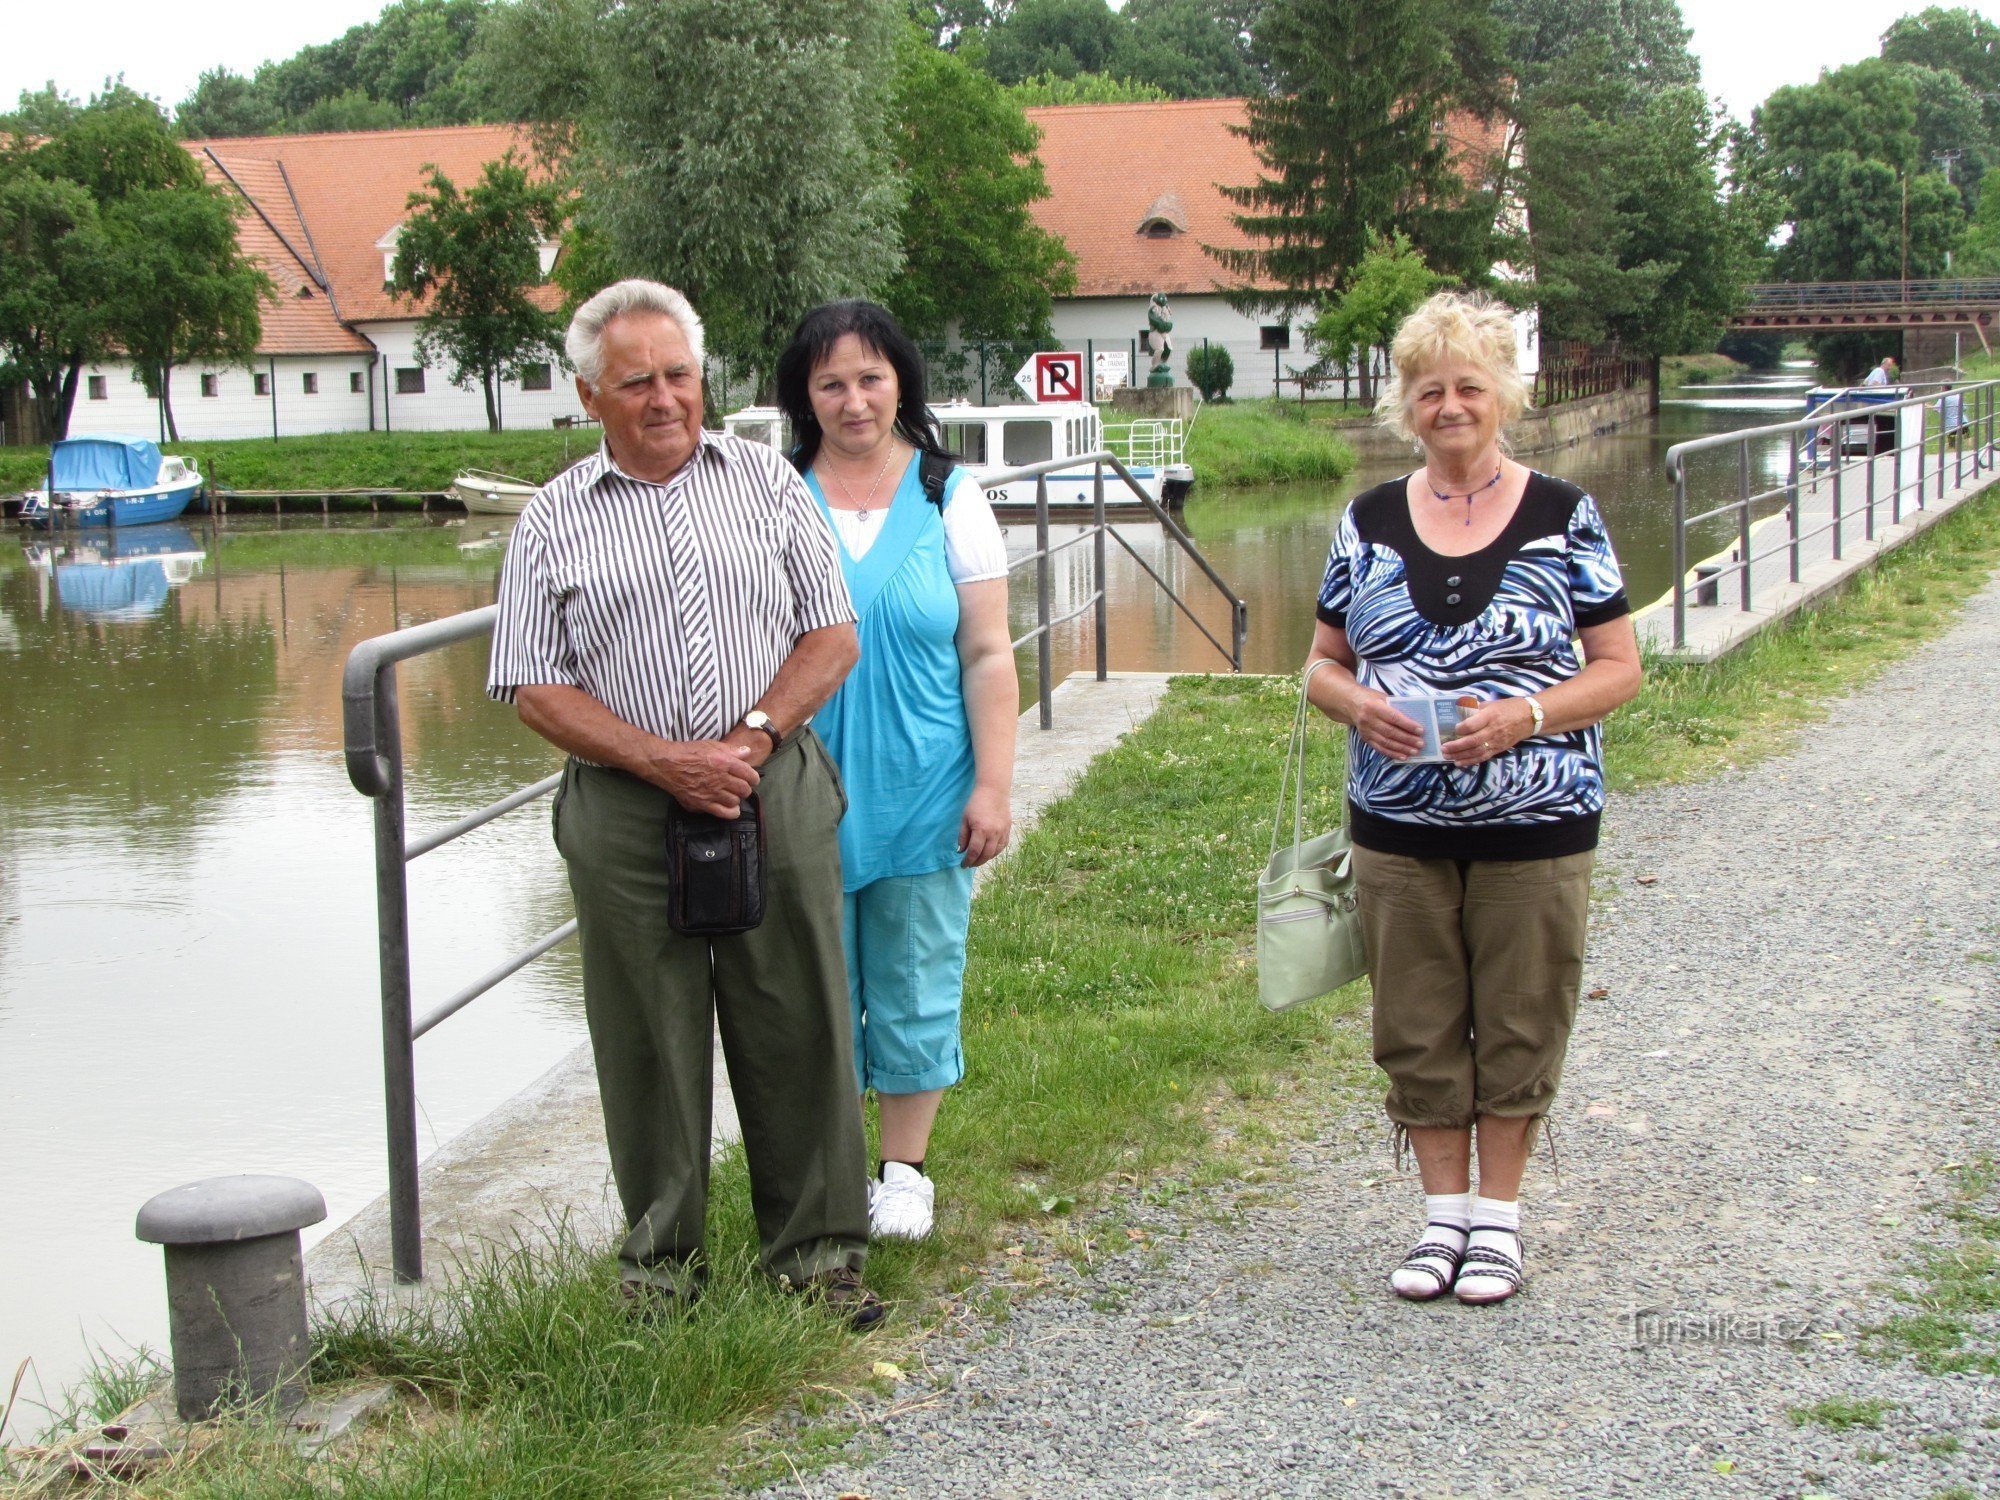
(993, 439)
(107, 480)
(486, 493)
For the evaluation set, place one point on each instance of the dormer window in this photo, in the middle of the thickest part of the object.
(387, 245)
(1165, 217)
(545, 255)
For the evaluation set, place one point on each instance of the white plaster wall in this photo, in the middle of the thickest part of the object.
(443, 407)
(1115, 322)
(235, 410)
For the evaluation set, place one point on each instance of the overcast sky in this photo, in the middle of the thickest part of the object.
(1747, 47)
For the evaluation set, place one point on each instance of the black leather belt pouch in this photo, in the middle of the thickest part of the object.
(715, 870)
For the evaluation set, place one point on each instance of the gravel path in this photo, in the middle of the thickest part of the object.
(1755, 1123)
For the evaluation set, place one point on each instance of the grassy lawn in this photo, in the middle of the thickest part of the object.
(1116, 1046)
(351, 460)
(1699, 369)
(1269, 442)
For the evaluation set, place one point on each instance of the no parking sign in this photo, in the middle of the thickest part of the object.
(1052, 377)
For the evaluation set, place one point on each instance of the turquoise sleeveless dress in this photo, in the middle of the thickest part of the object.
(896, 728)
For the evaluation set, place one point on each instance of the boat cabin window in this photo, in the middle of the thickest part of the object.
(536, 377)
(765, 432)
(97, 392)
(1027, 442)
(967, 440)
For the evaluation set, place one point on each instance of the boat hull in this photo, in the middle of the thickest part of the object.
(120, 508)
(1072, 488)
(486, 498)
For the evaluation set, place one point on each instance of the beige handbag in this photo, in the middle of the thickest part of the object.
(1308, 919)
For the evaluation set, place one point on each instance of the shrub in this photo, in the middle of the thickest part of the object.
(1210, 369)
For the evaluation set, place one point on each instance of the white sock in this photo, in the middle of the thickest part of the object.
(1496, 1224)
(1446, 1217)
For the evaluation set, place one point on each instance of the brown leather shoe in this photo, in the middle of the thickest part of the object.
(647, 1302)
(840, 1291)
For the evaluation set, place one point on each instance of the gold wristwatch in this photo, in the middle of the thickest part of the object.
(1535, 708)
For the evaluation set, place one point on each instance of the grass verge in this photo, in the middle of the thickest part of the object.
(1952, 1327)
(1699, 369)
(1112, 1012)
(351, 460)
(1267, 442)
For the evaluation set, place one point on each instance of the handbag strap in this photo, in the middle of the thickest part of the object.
(1292, 786)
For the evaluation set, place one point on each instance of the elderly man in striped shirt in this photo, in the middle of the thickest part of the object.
(671, 614)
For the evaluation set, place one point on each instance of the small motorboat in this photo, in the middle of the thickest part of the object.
(485, 493)
(109, 480)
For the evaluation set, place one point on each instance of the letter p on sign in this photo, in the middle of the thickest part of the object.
(1053, 377)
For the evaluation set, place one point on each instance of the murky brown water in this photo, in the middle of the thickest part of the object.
(187, 951)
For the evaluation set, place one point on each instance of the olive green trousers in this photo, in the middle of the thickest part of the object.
(778, 995)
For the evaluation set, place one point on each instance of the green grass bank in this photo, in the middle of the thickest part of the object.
(1269, 442)
(1116, 1047)
(409, 461)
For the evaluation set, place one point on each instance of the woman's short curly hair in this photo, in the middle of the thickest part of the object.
(1452, 328)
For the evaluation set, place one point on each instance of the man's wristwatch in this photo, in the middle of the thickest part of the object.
(758, 719)
(1535, 708)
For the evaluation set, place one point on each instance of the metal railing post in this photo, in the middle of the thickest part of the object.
(1868, 513)
(1792, 500)
(1742, 520)
(1044, 654)
(1680, 554)
(1839, 469)
(1103, 620)
(1896, 474)
(392, 917)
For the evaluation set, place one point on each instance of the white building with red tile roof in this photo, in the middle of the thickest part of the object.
(1135, 191)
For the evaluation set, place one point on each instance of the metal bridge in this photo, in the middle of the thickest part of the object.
(1828, 306)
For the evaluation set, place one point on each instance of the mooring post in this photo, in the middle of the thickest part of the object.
(236, 1287)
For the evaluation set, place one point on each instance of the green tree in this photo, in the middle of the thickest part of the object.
(226, 104)
(1211, 371)
(475, 256)
(1351, 141)
(186, 291)
(41, 113)
(56, 275)
(1191, 48)
(1868, 109)
(1645, 41)
(1064, 37)
(972, 254)
(1386, 287)
(1084, 88)
(1956, 41)
(740, 149)
(1978, 252)
(1951, 128)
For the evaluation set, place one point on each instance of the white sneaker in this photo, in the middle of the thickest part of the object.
(900, 1205)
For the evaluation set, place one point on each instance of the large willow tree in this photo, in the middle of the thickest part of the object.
(742, 150)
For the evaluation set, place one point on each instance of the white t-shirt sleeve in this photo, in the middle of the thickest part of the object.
(974, 550)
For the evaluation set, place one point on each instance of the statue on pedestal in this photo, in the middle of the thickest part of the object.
(1159, 317)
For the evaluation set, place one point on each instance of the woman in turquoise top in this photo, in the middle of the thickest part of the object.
(923, 728)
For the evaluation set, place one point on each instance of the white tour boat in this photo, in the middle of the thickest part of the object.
(994, 439)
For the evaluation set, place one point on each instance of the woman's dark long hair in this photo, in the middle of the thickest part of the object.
(813, 341)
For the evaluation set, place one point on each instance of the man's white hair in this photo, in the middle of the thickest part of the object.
(584, 342)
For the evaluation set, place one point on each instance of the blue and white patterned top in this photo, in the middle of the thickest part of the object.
(1499, 622)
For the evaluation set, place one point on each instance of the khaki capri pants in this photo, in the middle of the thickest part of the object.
(1476, 965)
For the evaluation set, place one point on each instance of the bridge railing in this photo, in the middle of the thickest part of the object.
(1817, 463)
(1789, 296)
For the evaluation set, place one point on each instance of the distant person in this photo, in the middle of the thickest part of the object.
(1466, 583)
(671, 614)
(1884, 373)
(922, 729)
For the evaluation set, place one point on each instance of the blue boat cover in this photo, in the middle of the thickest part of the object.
(104, 462)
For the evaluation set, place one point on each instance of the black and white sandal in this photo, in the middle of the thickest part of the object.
(1488, 1274)
(1434, 1260)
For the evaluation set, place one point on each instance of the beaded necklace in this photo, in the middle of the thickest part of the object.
(1467, 497)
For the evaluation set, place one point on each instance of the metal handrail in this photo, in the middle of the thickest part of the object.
(1978, 414)
(374, 751)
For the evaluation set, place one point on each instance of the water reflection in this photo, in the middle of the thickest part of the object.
(116, 574)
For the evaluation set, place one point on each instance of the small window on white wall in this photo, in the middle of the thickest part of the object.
(537, 378)
(211, 385)
(1274, 336)
(410, 380)
(97, 391)
(311, 382)
(261, 384)
(354, 381)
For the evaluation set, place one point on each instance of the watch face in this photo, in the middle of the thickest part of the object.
(757, 719)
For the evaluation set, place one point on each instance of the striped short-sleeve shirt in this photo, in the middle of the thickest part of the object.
(672, 604)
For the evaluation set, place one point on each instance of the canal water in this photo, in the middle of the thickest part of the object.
(187, 946)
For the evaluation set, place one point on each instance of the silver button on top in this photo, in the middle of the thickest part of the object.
(1454, 581)
(1451, 598)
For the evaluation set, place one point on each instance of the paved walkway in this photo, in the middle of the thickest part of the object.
(540, 1158)
(1880, 503)
(1790, 1051)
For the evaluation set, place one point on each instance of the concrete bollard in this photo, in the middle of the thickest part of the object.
(1708, 583)
(236, 1290)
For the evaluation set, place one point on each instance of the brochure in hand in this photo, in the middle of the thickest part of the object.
(1438, 718)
